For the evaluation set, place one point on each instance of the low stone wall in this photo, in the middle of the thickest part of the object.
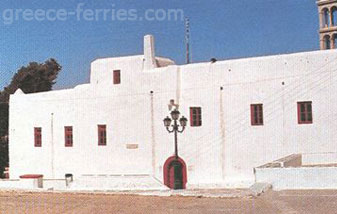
(319, 158)
(298, 178)
(294, 160)
(9, 183)
(21, 184)
(117, 183)
(54, 184)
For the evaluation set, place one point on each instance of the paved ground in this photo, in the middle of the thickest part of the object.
(287, 202)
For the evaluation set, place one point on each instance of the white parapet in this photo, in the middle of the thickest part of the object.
(117, 183)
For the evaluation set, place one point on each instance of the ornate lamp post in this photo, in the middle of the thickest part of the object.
(175, 127)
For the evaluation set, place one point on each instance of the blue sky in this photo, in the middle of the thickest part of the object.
(219, 28)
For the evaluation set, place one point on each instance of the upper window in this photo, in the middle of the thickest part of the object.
(68, 135)
(304, 111)
(37, 137)
(195, 116)
(334, 16)
(102, 135)
(256, 114)
(117, 77)
(325, 17)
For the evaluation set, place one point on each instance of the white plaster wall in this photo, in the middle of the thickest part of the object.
(85, 156)
(306, 77)
(125, 109)
(226, 147)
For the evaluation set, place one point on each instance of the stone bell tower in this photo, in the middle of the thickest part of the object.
(327, 10)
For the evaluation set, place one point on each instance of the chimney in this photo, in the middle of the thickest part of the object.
(149, 55)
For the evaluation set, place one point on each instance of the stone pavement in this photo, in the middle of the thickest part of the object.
(283, 202)
(207, 193)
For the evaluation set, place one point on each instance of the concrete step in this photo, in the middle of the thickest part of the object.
(259, 188)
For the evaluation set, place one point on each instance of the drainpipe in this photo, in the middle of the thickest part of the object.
(178, 89)
(153, 136)
(52, 144)
(223, 135)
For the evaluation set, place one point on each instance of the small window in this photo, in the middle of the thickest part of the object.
(256, 114)
(38, 137)
(117, 77)
(68, 135)
(102, 135)
(195, 116)
(304, 112)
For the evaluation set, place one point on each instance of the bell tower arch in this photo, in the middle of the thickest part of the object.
(327, 10)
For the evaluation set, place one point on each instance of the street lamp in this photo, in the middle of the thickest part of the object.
(175, 127)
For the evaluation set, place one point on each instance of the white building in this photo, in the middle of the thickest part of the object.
(253, 111)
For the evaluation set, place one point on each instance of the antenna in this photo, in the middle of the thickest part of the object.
(187, 39)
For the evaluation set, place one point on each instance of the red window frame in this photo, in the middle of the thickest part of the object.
(117, 77)
(195, 116)
(102, 135)
(38, 137)
(68, 136)
(304, 112)
(256, 114)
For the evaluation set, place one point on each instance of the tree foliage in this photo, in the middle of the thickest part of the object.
(35, 77)
(3, 119)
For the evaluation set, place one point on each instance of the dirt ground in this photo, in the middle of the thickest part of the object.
(287, 202)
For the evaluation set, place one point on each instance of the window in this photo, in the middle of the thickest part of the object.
(334, 16)
(195, 116)
(68, 136)
(327, 42)
(102, 135)
(37, 137)
(325, 17)
(256, 114)
(117, 77)
(304, 111)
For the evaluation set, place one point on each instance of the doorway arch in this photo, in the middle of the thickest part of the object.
(175, 176)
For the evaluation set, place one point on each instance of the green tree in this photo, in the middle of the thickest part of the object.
(35, 77)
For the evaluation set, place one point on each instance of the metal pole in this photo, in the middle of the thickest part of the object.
(176, 139)
(187, 39)
(52, 145)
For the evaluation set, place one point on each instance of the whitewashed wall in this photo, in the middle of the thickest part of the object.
(221, 152)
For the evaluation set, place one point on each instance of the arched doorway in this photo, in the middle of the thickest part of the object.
(175, 176)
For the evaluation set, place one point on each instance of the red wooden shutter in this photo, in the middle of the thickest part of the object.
(68, 134)
(256, 114)
(117, 76)
(195, 116)
(38, 137)
(102, 135)
(304, 112)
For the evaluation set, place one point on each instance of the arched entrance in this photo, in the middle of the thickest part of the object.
(175, 176)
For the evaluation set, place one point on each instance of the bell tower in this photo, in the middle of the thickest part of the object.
(327, 10)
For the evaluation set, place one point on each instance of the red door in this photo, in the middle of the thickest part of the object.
(175, 173)
(171, 177)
